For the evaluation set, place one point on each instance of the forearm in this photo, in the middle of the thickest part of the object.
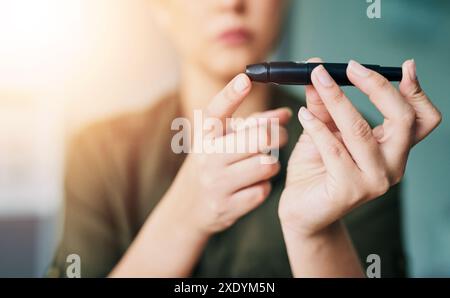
(329, 253)
(166, 246)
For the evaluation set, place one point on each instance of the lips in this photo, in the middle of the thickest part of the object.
(235, 37)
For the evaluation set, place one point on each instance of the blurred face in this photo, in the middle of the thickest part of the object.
(223, 36)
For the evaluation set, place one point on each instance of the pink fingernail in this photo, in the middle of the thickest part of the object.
(240, 84)
(306, 114)
(358, 69)
(324, 78)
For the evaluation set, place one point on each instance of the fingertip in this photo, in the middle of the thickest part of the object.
(305, 115)
(285, 115)
(299, 113)
(405, 64)
(225, 103)
(245, 76)
(267, 188)
(314, 78)
(284, 136)
(351, 75)
(282, 115)
(321, 78)
(356, 70)
(315, 60)
(316, 69)
(409, 68)
(287, 111)
(409, 83)
(347, 70)
(241, 83)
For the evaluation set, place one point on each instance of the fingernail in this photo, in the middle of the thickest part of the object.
(358, 69)
(240, 84)
(323, 76)
(306, 114)
(412, 70)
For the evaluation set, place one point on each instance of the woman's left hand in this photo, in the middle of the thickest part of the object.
(339, 161)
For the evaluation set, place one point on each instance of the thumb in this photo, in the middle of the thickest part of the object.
(427, 115)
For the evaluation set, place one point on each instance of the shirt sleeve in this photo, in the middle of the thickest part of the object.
(88, 229)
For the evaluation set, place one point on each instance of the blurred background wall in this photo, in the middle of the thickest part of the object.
(66, 63)
(62, 65)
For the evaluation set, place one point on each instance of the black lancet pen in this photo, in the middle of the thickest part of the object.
(299, 73)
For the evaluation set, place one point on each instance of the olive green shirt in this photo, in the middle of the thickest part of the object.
(117, 171)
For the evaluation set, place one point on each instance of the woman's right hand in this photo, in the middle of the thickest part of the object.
(213, 190)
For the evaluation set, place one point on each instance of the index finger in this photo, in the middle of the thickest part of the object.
(316, 105)
(226, 102)
(356, 132)
(380, 91)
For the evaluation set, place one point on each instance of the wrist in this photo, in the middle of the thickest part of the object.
(179, 211)
(291, 231)
(328, 252)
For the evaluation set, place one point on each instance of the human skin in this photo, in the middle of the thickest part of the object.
(210, 192)
(206, 197)
(340, 162)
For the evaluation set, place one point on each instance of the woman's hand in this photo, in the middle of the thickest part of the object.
(213, 190)
(339, 162)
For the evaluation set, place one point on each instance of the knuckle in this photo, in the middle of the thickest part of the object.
(317, 127)
(228, 223)
(380, 185)
(338, 96)
(436, 118)
(334, 150)
(356, 196)
(417, 93)
(361, 129)
(398, 176)
(380, 82)
(265, 170)
(383, 186)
